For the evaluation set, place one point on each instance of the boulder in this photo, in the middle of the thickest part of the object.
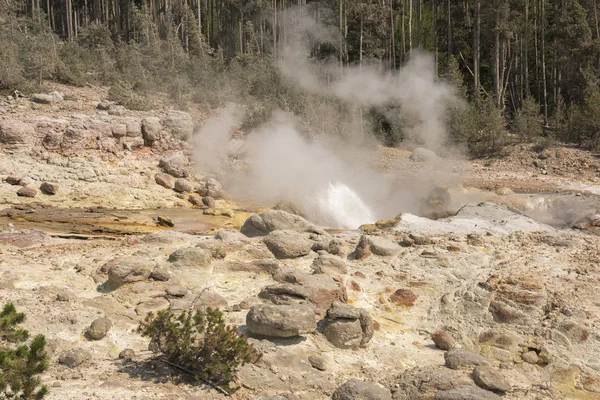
(281, 320)
(164, 180)
(153, 305)
(443, 340)
(321, 289)
(192, 257)
(348, 327)
(119, 130)
(42, 98)
(183, 186)
(209, 298)
(423, 155)
(288, 244)
(355, 389)
(317, 362)
(128, 270)
(99, 328)
(134, 127)
(490, 379)
(52, 141)
(26, 181)
(176, 165)
(461, 358)
(160, 274)
(49, 188)
(126, 353)
(16, 135)
(180, 124)
(12, 180)
(272, 220)
(176, 291)
(26, 192)
(74, 357)
(209, 201)
(151, 129)
(383, 246)
(466, 393)
(329, 264)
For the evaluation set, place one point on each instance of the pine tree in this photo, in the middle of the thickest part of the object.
(20, 365)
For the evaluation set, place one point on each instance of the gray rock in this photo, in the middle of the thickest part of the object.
(288, 244)
(180, 124)
(74, 357)
(49, 188)
(422, 155)
(176, 291)
(230, 236)
(128, 270)
(209, 202)
(153, 305)
(461, 358)
(355, 389)
(192, 257)
(176, 165)
(383, 246)
(126, 353)
(164, 180)
(134, 127)
(65, 295)
(183, 186)
(13, 180)
(151, 129)
(285, 293)
(329, 264)
(195, 199)
(208, 298)
(466, 393)
(281, 320)
(530, 357)
(268, 221)
(119, 130)
(160, 274)
(117, 110)
(342, 310)
(490, 379)
(42, 98)
(16, 135)
(317, 362)
(214, 188)
(344, 333)
(443, 340)
(366, 324)
(322, 289)
(26, 181)
(99, 328)
(26, 192)
(52, 141)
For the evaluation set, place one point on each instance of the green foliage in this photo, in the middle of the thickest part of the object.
(20, 364)
(201, 344)
(583, 125)
(528, 122)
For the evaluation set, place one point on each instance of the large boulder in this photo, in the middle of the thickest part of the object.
(99, 328)
(355, 389)
(490, 379)
(348, 327)
(211, 188)
(175, 165)
(42, 98)
(288, 244)
(74, 357)
(16, 135)
(320, 289)
(281, 320)
(192, 257)
(272, 220)
(462, 358)
(180, 124)
(329, 264)
(128, 270)
(151, 129)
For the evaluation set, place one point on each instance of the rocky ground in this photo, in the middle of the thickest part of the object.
(486, 304)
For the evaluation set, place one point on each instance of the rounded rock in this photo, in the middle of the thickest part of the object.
(99, 328)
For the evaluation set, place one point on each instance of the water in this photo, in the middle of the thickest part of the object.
(338, 206)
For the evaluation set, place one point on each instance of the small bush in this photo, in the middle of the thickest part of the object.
(21, 364)
(527, 123)
(200, 344)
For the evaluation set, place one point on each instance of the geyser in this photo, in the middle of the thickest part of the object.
(341, 207)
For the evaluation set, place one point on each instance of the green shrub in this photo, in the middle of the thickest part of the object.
(200, 344)
(527, 123)
(20, 364)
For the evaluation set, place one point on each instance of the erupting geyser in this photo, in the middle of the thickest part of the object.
(341, 207)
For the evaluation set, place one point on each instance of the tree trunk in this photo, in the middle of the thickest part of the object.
(496, 72)
(435, 38)
(477, 47)
(420, 24)
(449, 16)
(392, 34)
(410, 15)
(543, 59)
(526, 52)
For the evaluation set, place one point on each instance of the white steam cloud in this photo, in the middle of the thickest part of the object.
(330, 177)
